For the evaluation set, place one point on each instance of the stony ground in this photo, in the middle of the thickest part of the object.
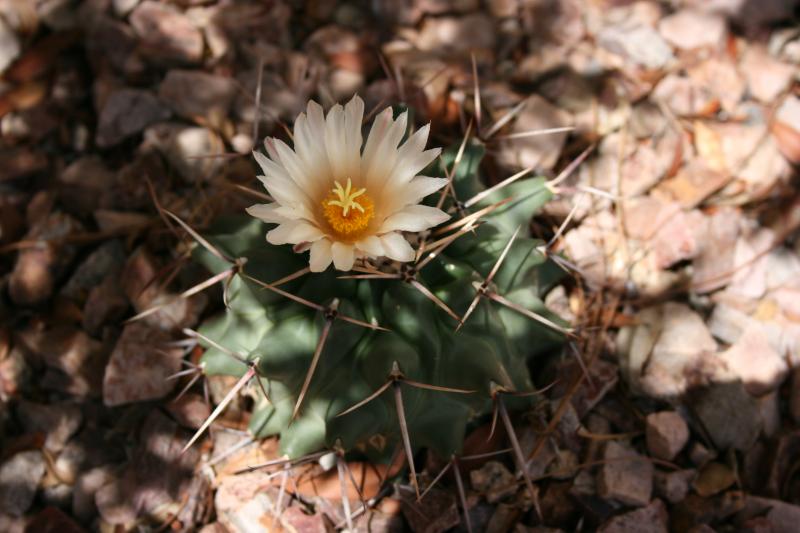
(676, 410)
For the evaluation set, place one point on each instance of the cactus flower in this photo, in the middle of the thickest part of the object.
(342, 202)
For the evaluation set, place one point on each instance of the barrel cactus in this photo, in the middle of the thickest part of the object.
(420, 298)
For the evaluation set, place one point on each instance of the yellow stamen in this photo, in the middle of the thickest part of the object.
(344, 213)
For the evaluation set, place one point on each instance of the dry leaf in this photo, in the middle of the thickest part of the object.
(709, 147)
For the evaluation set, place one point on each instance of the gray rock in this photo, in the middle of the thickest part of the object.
(783, 517)
(139, 366)
(666, 433)
(158, 477)
(107, 259)
(650, 519)
(58, 421)
(38, 268)
(105, 304)
(674, 486)
(19, 480)
(731, 416)
(74, 360)
(626, 476)
(81, 185)
(700, 455)
(174, 312)
(196, 94)
(127, 112)
(112, 42)
(166, 34)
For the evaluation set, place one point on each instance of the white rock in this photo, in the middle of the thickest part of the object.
(540, 151)
(19, 480)
(789, 111)
(457, 34)
(9, 45)
(689, 29)
(639, 43)
(123, 7)
(189, 149)
(766, 76)
(755, 361)
(668, 351)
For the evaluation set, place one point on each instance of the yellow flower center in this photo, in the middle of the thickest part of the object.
(348, 211)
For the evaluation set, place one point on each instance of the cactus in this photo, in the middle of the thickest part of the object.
(391, 353)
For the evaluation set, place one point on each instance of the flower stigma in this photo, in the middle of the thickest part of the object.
(348, 211)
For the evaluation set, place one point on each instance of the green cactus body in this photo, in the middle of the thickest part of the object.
(492, 347)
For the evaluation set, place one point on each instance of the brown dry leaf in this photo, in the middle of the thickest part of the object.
(708, 144)
(713, 479)
(692, 184)
(22, 97)
(315, 482)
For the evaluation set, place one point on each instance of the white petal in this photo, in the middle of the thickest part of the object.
(294, 166)
(316, 117)
(380, 157)
(410, 164)
(415, 190)
(343, 256)
(303, 144)
(335, 142)
(309, 143)
(305, 232)
(263, 162)
(399, 129)
(280, 235)
(353, 117)
(295, 212)
(380, 126)
(416, 143)
(371, 246)
(396, 247)
(266, 212)
(269, 146)
(414, 218)
(320, 256)
(285, 192)
(272, 168)
(277, 181)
